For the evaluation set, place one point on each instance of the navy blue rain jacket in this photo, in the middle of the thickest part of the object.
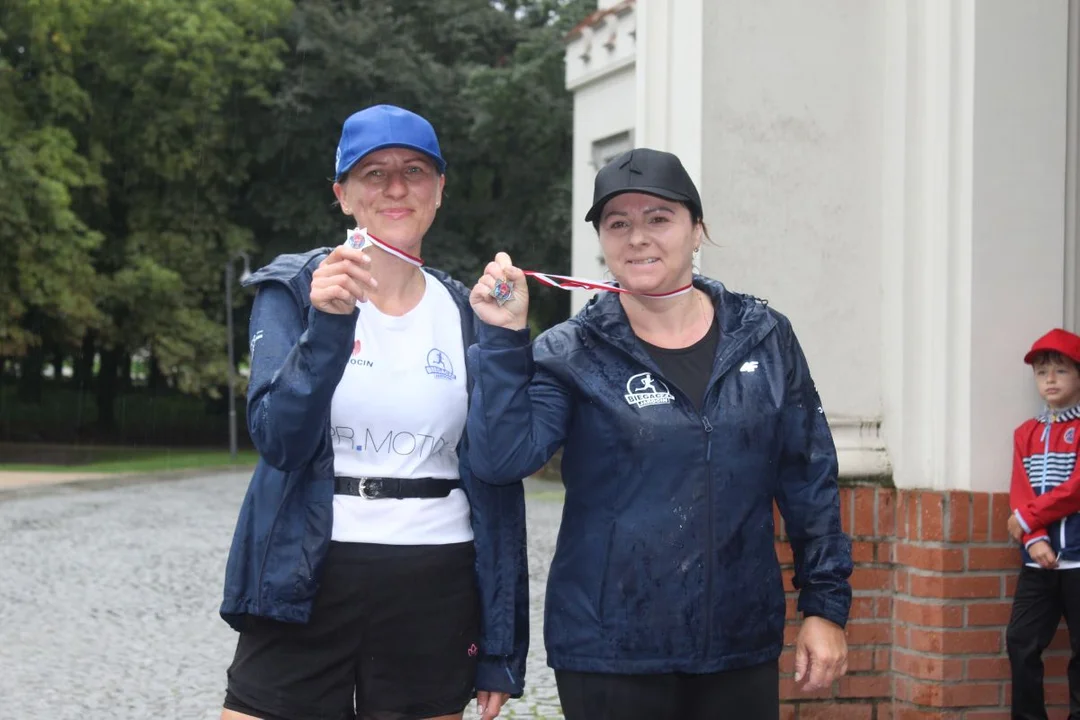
(665, 560)
(282, 535)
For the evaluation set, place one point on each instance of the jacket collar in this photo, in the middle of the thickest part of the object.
(744, 322)
(1055, 416)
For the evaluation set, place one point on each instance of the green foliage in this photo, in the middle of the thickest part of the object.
(144, 143)
(46, 279)
(174, 84)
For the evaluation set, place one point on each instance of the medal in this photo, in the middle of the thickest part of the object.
(360, 238)
(503, 292)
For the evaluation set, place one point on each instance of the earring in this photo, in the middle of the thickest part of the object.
(438, 205)
(696, 250)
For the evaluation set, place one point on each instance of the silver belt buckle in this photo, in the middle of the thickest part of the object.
(364, 491)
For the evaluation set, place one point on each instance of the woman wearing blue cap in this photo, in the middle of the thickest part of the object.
(369, 577)
(684, 410)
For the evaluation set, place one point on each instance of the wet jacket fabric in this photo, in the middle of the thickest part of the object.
(665, 560)
(283, 531)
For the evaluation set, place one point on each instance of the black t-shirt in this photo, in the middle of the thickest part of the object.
(690, 367)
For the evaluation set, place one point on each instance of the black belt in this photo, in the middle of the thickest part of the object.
(378, 488)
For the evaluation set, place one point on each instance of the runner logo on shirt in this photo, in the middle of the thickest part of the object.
(643, 390)
(439, 365)
(1070, 436)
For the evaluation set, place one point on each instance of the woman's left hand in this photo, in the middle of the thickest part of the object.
(490, 703)
(515, 314)
(820, 653)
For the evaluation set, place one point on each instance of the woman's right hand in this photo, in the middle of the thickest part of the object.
(514, 314)
(342, 280)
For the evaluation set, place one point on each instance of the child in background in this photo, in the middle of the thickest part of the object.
(1045, 500)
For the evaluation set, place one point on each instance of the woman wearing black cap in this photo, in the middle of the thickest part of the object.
(354, 570)
(684, 410)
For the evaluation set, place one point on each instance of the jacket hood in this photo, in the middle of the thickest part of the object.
(744, 320)
(286, 268)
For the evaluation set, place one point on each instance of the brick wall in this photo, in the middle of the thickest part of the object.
(933, 583)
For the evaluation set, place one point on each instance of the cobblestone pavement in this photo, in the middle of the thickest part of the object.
(108, 601)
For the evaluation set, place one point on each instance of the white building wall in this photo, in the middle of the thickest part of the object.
(974, 207)
(600, 71)
(791, 182)
(601, 110)
(895, 176)
(1018, 215)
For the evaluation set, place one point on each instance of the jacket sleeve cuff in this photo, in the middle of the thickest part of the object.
(1023, 523)
(1038, 538)
(493, 674)
(331, 331)
(499, 338)
(833, 609)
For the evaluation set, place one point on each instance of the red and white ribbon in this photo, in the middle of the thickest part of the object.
(361, 238)
(565, 282)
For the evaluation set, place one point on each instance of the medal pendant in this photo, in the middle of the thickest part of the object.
(503, 292)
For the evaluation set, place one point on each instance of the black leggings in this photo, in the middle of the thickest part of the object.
(752, 692)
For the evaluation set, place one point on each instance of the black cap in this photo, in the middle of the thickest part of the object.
(642, 170)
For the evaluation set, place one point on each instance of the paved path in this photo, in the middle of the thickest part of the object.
(109, 595)
(10, 480)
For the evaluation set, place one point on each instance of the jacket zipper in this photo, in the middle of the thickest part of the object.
(1046, 466)
(709, 544)
(708, 426)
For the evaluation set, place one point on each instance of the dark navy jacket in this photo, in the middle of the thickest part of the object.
(282, 535)
(665, 559)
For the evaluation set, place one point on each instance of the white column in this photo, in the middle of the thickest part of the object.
(926, 236)
(1021, 81)
(669, 84)
(791, 184)
(600, 72)
(1072, 185)
(973, 228)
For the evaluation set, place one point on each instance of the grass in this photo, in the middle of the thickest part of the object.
(141, 460)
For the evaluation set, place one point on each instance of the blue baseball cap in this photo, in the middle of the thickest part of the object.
(385, 126)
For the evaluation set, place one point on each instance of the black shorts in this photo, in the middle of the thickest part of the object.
(392, 636)
(742, 694)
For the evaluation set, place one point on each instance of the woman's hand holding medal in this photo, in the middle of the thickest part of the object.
(342, 280)
(501, 296)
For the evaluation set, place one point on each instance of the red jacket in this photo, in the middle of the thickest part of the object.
(1045, 489)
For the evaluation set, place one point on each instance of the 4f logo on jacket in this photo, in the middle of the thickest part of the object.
(643, 390)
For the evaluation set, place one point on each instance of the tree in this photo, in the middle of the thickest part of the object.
(143, 143)
(46, 274)
(488, 76)
(179, 96)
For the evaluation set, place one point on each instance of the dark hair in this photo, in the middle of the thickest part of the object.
(1044, 357)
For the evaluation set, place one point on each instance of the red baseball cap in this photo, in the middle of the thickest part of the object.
(1057, 340)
